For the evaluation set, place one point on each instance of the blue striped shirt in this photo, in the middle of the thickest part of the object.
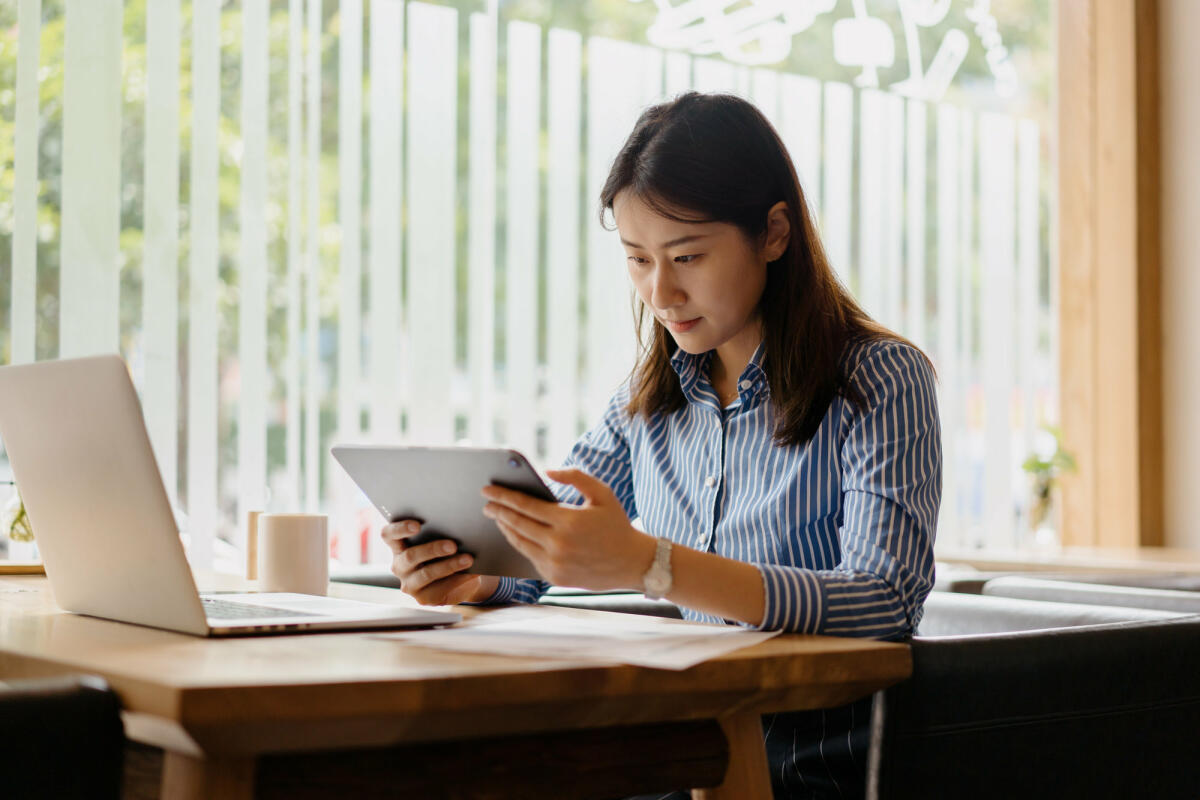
(841, 527)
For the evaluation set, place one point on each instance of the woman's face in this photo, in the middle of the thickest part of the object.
(702, 281)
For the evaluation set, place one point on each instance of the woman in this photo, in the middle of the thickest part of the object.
(781, 449)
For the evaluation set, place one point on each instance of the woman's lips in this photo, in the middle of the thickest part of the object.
(682, 327)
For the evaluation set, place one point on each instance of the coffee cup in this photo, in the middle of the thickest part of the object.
(293, 553)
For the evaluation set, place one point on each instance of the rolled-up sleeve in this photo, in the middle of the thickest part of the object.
(891, 465)
(603, 453)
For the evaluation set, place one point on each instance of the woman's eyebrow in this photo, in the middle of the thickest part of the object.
(681, 240)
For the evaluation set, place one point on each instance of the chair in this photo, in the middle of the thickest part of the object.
(60, 738)
(1043, 711)
(1066, 591)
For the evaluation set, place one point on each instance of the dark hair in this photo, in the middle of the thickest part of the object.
(716, 158)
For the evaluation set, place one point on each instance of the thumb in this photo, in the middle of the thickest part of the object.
(593, 489)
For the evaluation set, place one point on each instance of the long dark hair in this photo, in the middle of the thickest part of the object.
(716, 158)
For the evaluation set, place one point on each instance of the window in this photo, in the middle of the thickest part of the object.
(310, 222)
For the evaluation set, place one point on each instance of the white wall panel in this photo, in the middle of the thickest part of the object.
(916, 316)
(432, 182)
(202, 290)
(314, 452)
(25, 185)
(893, 212)
(160, 262)
(800, 129)
(872, 227)
(621, 78)
(350, 327)
(951, 390)
(350, 110)
(837, 186)
(481, 233)
(89, 272)
(384, 181)
(289, 497)
(997, 238)
(678, 75)
(252, 270)
(564, 67)
(524, 77)
(1031, 360)
(764, 93)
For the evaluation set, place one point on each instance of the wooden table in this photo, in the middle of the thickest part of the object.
(229, 714)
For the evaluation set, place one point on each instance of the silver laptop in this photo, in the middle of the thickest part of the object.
(82, 459)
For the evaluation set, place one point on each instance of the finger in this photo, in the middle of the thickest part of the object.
(541, 510)
(440, 569)
(528, 527)
(395, 533)
(593, 489)
(527, 547)
(417, 555)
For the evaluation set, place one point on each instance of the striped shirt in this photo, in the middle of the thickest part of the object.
(841, 527)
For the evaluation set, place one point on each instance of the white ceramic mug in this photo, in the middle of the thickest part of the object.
(293, 553)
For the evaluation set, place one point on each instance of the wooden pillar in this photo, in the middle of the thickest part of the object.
(1109, 271)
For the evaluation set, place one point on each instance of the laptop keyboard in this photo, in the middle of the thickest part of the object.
(215, 608)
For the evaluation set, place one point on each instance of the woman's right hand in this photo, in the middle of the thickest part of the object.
(429, 572)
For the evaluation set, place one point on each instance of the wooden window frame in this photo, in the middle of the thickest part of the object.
(1109, 266)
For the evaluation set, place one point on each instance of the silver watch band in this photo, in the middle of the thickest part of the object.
(658, 579)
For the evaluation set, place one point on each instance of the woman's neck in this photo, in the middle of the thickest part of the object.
(731, 357)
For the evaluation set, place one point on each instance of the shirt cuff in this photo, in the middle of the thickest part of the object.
(793, 600)
(512, 590)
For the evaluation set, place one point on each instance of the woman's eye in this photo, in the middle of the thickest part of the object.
(686, 259)
(638, 259)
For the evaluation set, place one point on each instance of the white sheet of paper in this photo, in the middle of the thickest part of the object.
(601, 638)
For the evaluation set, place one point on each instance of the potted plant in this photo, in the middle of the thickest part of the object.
(1045, 467)
(14, 522)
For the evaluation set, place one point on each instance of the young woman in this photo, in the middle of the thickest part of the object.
(781, 450)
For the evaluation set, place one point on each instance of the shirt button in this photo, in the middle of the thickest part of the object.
(745, 385)
(710, 481)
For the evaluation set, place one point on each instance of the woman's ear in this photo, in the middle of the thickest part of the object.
(779, 231)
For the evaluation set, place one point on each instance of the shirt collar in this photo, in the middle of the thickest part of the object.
(692, 369)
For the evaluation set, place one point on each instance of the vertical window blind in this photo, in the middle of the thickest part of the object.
(313, 221)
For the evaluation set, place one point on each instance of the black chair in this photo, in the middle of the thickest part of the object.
(1098, 710)
(60, 738)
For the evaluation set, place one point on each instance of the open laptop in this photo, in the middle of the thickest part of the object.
(82, 459)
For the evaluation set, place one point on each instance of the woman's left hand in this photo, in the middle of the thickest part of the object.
(591, 546)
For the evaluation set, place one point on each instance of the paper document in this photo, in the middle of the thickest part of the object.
(607, 638)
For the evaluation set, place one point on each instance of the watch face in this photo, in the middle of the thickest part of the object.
(657, 580)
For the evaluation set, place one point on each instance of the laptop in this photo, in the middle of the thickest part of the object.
(82, 459)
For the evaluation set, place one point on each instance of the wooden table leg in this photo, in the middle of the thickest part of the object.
(747, 777)
(190, 778)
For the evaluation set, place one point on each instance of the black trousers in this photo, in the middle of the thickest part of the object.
(812, 755)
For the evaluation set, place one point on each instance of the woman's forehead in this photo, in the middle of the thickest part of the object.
(641, 224)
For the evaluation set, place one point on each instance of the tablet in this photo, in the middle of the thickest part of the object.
(439, 486)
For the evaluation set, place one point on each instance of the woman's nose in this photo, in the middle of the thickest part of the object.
(664, 292)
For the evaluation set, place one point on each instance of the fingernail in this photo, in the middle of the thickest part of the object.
(462, 561)
(488, 512)
(413, 527)
(447, 547)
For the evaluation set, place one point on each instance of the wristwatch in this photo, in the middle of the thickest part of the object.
(657, 580)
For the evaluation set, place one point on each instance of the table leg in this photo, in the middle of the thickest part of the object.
(747, 777)
(190, 778)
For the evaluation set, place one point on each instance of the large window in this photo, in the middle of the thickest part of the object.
(308, 222)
